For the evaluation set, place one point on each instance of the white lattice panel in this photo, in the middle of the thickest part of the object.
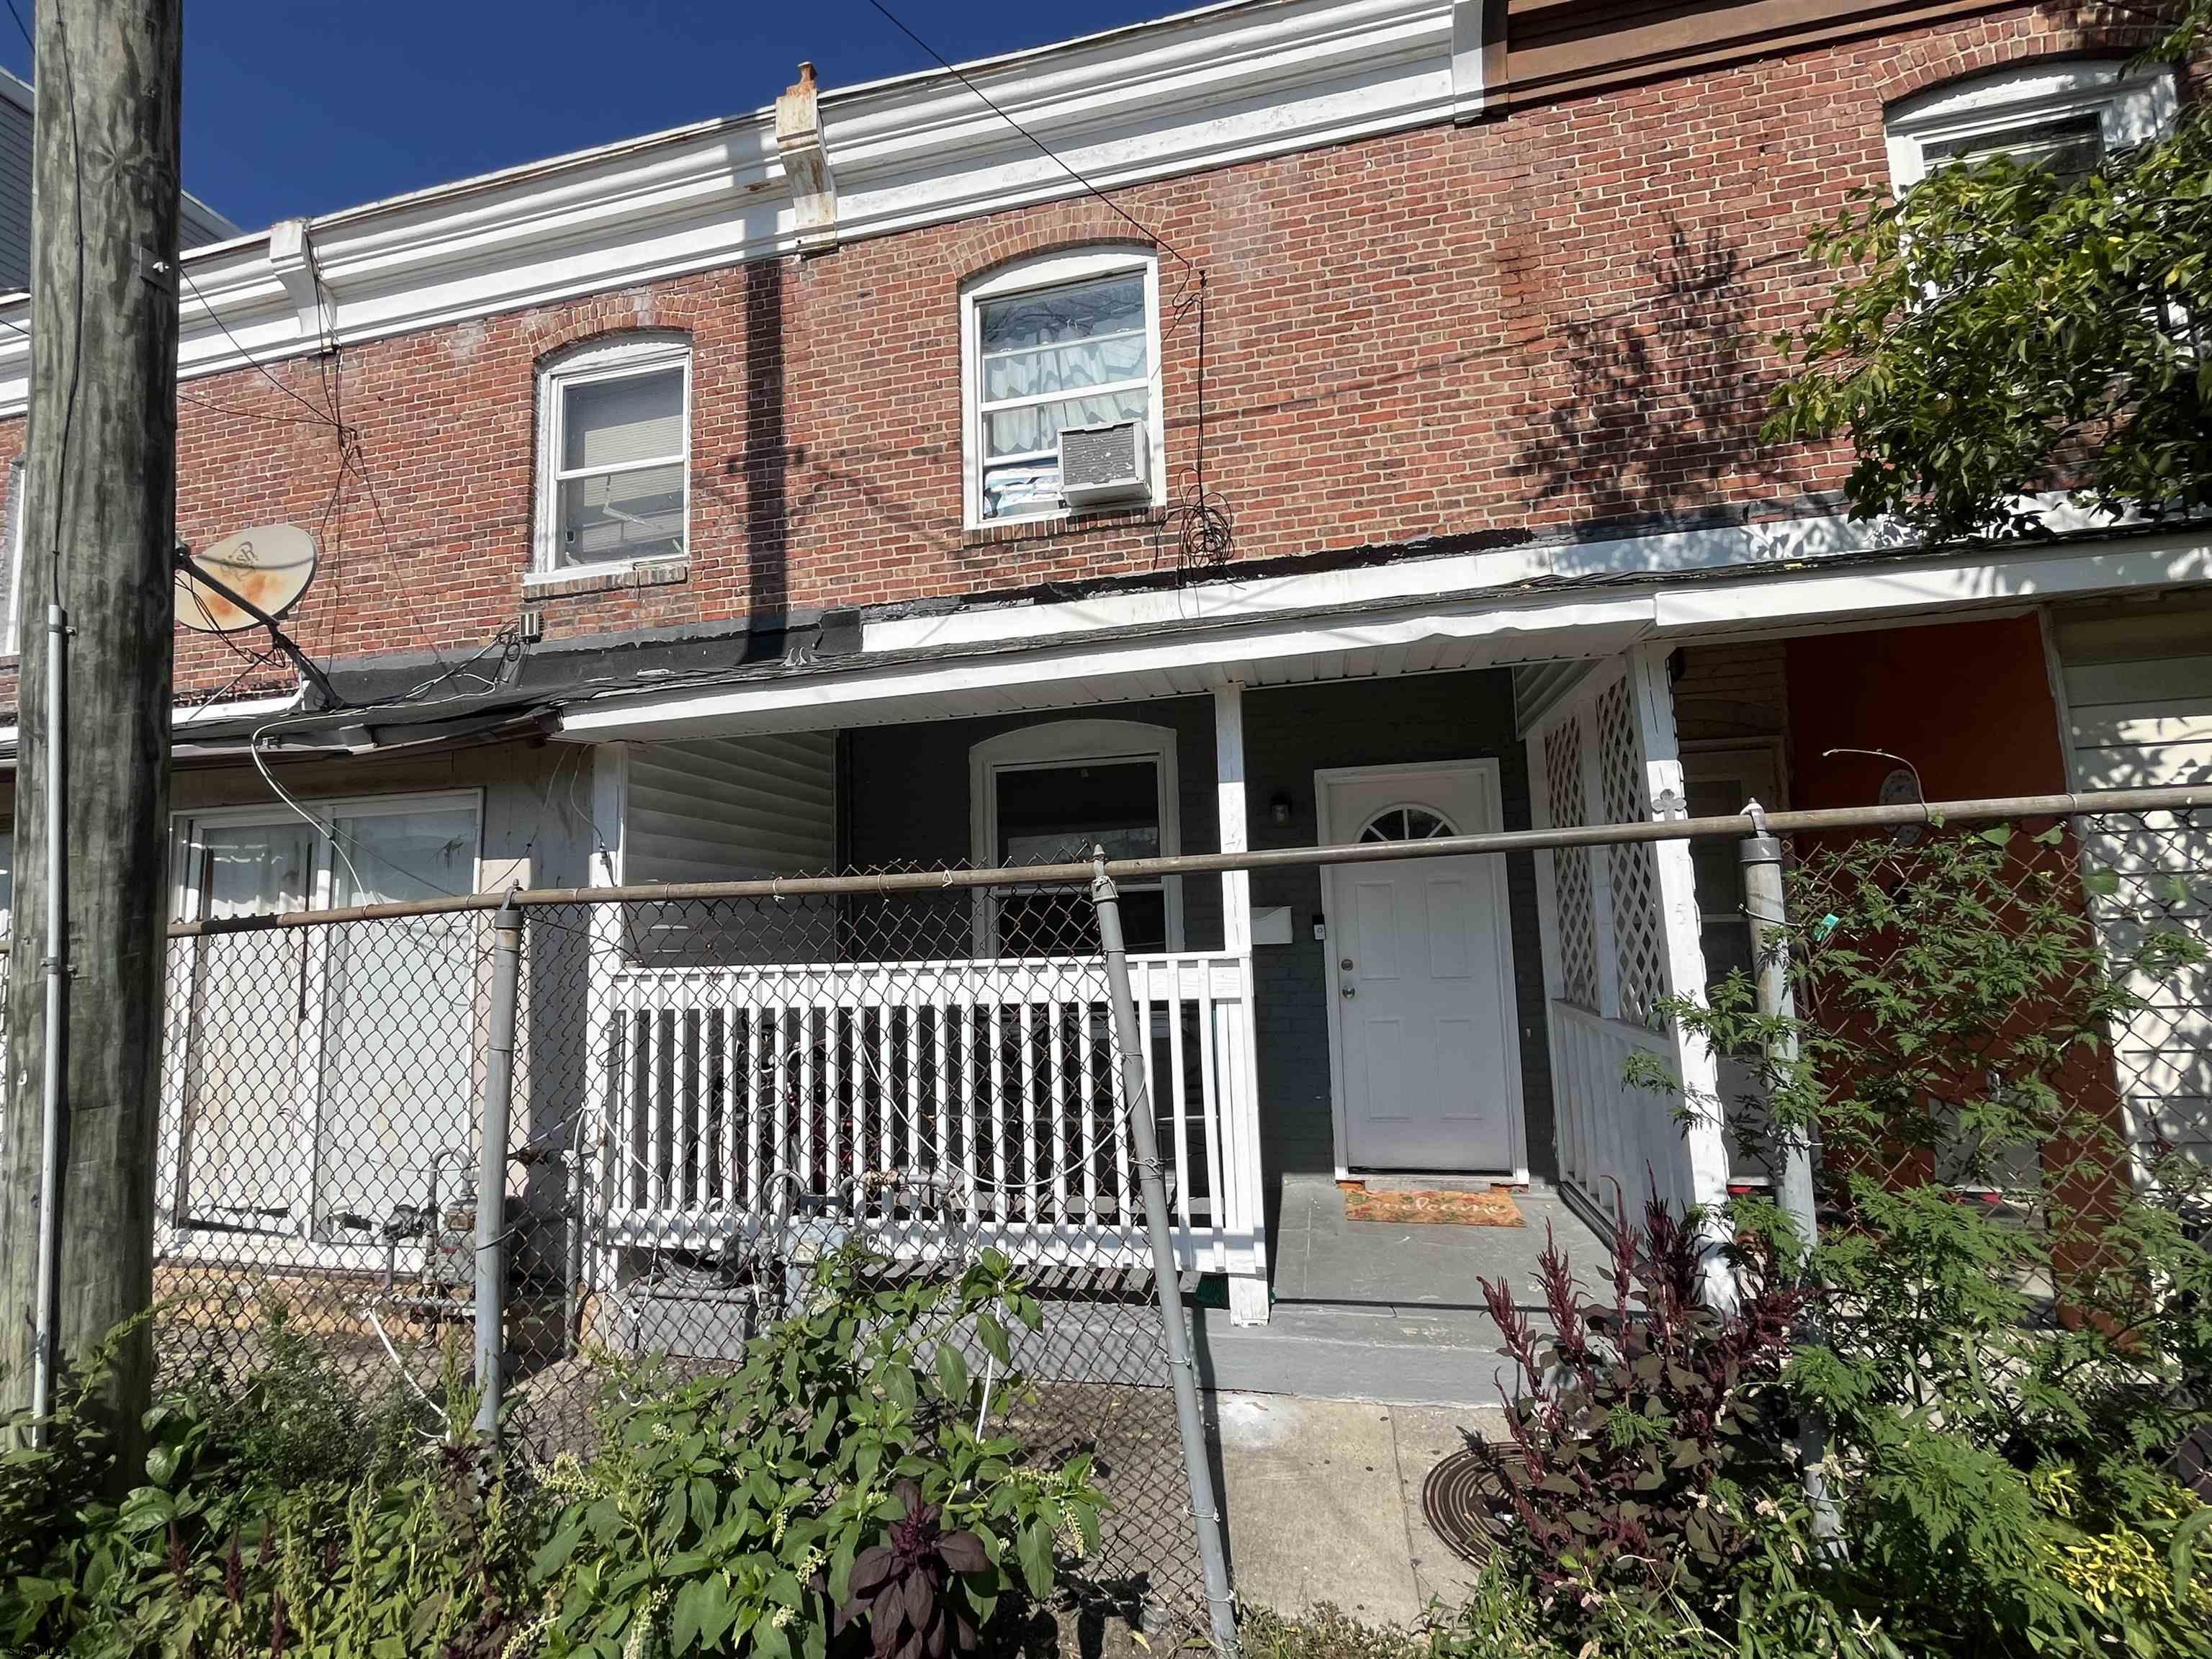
(1576, 923)
(1640, 952)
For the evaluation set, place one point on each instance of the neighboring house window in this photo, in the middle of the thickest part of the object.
(614, 423)
(1049, 794)
(327, 1070)
(1068, 341)
(2062, 116)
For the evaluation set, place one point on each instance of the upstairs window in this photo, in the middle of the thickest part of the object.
(2063, 117)
(1070, 341)
(614, 454)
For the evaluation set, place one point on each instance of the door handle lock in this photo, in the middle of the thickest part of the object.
(1345, 964)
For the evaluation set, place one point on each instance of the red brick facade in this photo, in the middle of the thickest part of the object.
(1561, 316)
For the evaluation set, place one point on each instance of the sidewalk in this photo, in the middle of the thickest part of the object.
(1324, 1502)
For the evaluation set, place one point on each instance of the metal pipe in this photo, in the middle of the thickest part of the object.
(491, 1170)
(1732, 827)
(1167, 1278)
(1766, 907)
(53, 1103)
(580, 1198)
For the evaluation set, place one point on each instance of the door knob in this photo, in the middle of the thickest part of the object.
(1351, 990)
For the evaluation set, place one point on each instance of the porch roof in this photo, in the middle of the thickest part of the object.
(1408, 618)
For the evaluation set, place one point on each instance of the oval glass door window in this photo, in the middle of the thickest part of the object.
(1406, 823)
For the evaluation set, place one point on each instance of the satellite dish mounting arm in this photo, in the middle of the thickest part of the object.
(318, 682)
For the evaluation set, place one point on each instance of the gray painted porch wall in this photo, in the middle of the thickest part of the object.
(904, 797)
(1289, 734)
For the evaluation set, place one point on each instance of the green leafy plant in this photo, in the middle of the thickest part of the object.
(275, 1517)
(734, 1510)
(2014, 1339)
(2000, 331)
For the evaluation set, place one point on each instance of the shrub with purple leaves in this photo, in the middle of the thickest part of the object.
(908, 1589)
(1643, 1416)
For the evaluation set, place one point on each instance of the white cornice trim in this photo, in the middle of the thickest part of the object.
(1227, 83)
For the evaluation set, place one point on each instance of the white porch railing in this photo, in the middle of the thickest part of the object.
(975, 1101)
(1611, 1131)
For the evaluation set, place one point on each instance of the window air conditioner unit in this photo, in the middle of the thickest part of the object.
(1102, 466)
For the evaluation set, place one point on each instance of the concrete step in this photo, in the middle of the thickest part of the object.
(1406, 1356)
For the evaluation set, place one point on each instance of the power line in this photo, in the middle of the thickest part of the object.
(1049, 154)
(322, 415)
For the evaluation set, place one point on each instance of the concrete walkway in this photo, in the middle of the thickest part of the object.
(1324, 1502)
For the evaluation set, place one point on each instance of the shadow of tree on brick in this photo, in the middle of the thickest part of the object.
(767, 460)
(1664, 398)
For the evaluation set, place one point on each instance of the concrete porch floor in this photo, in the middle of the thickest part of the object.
(1322, 1257)
(1386, 1312)
(1379, 1357)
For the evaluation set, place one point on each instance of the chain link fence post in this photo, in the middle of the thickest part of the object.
(1167, 1279)
(491, 1170)
(1766, 907)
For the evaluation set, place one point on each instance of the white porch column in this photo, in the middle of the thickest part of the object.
(1243, 1194)
(1703, 1145)
(605, 1082)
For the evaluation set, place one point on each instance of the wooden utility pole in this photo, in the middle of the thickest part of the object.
(99, 530)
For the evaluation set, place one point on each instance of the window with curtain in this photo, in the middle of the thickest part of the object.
(616, 456)
(1071, 348)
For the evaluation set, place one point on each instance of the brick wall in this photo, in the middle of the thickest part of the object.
(1558, 317)
(1732, 690)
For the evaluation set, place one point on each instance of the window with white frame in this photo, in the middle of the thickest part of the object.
(1070, 340)
(2063, 116)
(11, 603)
(614, 460)
(328, 1070)
(1051, 793)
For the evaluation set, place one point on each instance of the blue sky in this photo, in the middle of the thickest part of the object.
(302, 107)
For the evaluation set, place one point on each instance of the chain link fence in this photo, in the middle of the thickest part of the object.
(712, 1097)
(714, 1092)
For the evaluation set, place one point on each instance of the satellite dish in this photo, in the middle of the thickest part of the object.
(269, 568)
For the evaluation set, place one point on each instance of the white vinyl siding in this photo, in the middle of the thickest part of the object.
(2138, 689)
(732, 809)
(15, 121)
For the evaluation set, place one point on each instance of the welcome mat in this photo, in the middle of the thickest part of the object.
(1433, 1208)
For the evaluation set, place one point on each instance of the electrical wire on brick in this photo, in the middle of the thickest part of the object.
(323, 416)
(1206, 534)
(949, 68)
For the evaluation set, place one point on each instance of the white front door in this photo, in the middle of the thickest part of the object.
(1420, 970)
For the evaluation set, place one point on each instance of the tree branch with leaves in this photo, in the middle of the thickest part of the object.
(2002, 334)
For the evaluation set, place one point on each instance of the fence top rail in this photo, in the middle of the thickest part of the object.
(1732, 825)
